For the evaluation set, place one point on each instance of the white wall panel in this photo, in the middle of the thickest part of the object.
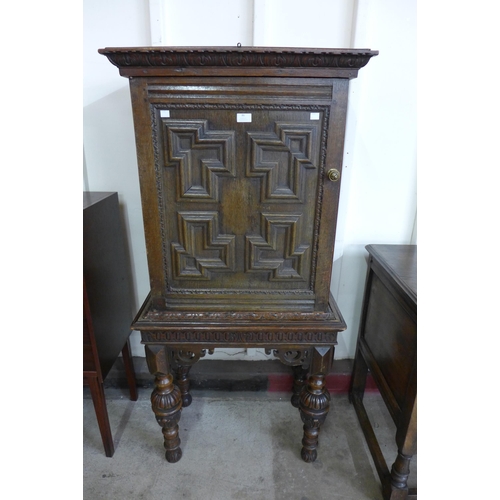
(298, 23)
(379, 200)
(201, 22)
(108, 135)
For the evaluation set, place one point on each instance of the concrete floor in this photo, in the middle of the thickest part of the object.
(236, 445)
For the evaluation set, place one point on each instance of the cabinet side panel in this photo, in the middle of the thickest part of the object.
(149, 186)
(391, 334)
(331, 192)
(107, 279)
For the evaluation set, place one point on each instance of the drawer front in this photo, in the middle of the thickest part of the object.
(391, 335)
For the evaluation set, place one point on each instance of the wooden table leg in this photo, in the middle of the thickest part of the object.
(101, 411)
(166, 400)
(299, 381)
(182, 361)
(406, 439)
(314, 402)
(298, 359)
(129, 370)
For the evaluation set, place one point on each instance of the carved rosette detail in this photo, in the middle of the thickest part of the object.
(291, 357)
(183, 357)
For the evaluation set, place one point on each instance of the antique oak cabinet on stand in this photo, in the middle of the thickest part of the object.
(240, 159)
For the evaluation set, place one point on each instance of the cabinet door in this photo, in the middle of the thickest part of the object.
(239, 189)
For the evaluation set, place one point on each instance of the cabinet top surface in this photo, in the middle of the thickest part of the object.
(273, 57)
(91, 197)
(240, 49)
(400, 261)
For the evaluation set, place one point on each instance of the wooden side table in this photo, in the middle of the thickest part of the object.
(387, 346)
(106, 303)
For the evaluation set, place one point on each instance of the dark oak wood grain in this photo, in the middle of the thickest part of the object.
(240, 160)
(387, 346)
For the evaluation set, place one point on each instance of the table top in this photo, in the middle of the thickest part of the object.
(92, 197)
(400, 261)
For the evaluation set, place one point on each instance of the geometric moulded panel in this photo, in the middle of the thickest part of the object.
(279, 158)
(200, 155)
(201, 248)
(277, 250)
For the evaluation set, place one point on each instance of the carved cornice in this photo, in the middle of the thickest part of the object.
(253, 57)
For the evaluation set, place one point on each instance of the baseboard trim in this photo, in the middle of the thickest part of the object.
(230, 375)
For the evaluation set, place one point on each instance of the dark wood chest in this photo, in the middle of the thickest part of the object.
(107, 302)
(387, 347)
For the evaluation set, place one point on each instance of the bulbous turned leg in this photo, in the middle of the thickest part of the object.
(181, 377)
(166, 402)
(182, 361)
(314, 404)
(299, 381)
(298, 359)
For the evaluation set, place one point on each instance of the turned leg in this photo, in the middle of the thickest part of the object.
(299, 381)
(129, 370)
(397, 488)
(101, 411)
(182, 361)
(314, 401)
(299, 361)
(166, 400)
(181, 377)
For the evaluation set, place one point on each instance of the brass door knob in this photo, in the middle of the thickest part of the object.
(333, 174)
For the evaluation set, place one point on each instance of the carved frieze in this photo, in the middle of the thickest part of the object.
(240, 337)
(153, 315)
